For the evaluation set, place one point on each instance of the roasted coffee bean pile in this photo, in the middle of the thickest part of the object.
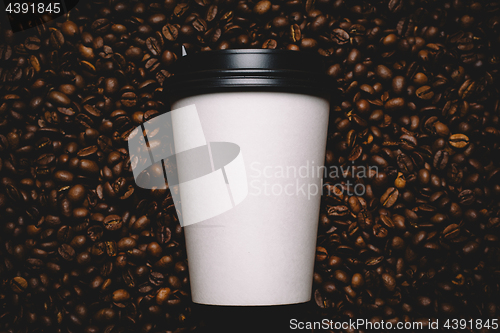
(85, 250)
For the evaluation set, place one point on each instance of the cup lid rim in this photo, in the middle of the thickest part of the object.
(242, 69)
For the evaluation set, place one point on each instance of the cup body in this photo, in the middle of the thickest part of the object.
(261, 252)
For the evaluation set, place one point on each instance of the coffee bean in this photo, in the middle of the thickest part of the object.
(153, 46)
(400, 181)
(398, 243)
(389, 198)
(112, 222)
(466, 197)
(383, 72)
(340, 36)
(111, 86)
(341, 276)
(129, 99)
(126, 243)
(65, 234)
(395, 104)
(357, 280)
(395, 6)
(354, 205)
(458, 141)
(64, 177)
(408, 142)
(66, 252)
(441, 159)
(154, 249)
(69, 29)
(100, 26)
(338, 210)
(76, 193)
(105, 315)
(262, 7)
(179, 11)
(88, 167)
(424, 176)
(308, 43)
(120, 295)
(321, 254)
(59, 98)
(451, 231)
(56, 39)
(425, 92)
(18, 284)
(134, 53)
(365, 219)
(353, 57)
(32, 43)
(269, 44)
(389, 281)
(162, 295)
(335, 262)
(399, 85)
(390, 40)
(379, 231)
(438, 218)
(168, 58)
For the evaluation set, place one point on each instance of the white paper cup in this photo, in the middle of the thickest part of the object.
(260, 251)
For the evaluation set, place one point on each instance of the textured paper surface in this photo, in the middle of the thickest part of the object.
(262, 251)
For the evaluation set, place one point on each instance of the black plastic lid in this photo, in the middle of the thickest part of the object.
(249, 70)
